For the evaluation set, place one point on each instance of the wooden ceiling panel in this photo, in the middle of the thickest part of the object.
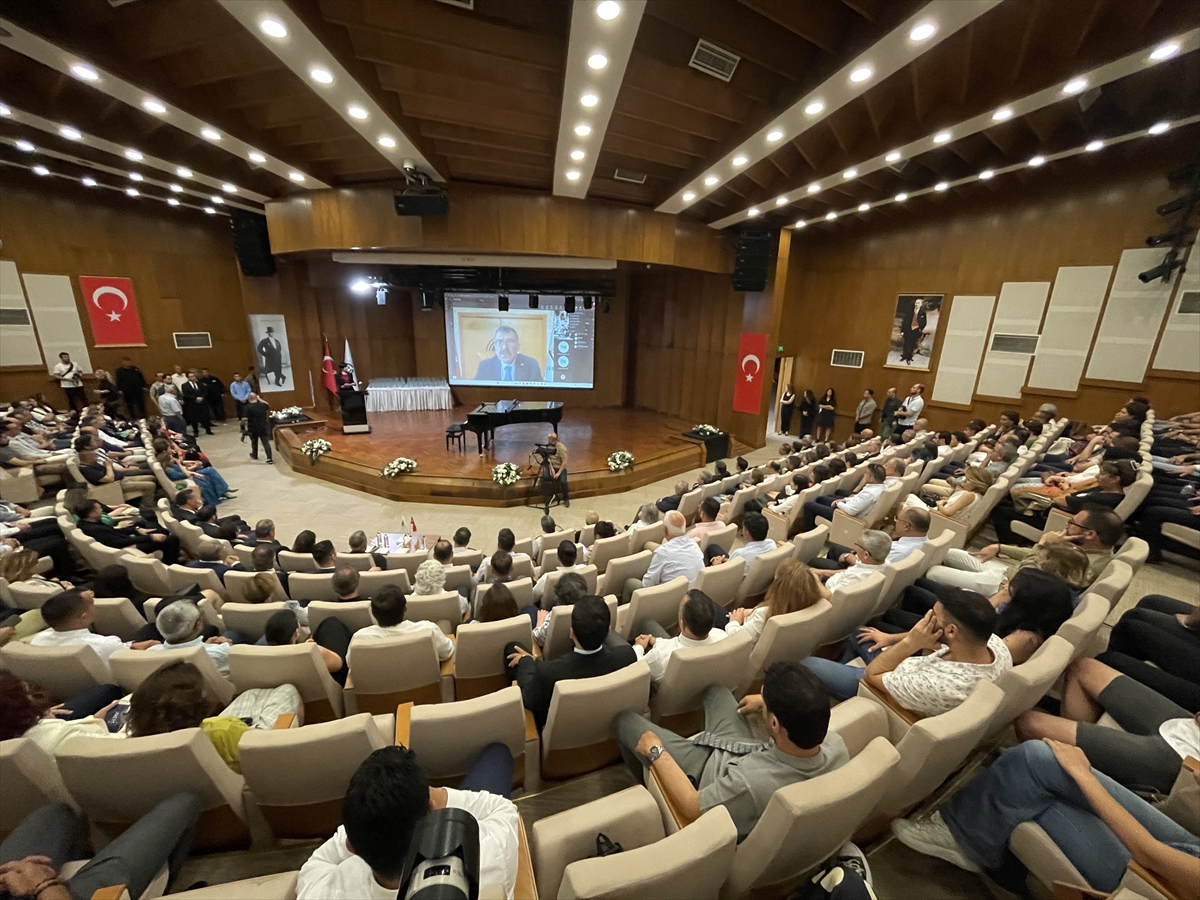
(239, 56)
(409, 82)
(462, 134)
(823, 23)
(639, 104)
(690, 88)
(638, 149)
(438, 109)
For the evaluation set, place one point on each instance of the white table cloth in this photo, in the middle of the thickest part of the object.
(391, 394)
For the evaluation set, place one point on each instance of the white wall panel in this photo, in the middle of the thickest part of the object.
(18, 343)
(1070, 323)
(1131, 320)
(57, 317)
(1179, 349)
(1018, 311)
(962, 348)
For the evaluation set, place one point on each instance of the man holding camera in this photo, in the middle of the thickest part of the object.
(554, 468)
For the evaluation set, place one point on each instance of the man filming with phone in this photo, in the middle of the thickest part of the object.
(554, 467)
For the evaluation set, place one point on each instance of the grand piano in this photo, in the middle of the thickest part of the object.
(487, 417)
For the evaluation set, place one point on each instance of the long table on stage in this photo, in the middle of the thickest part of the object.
(487, 417)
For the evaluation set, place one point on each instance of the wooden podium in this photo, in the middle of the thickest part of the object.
(354, 411)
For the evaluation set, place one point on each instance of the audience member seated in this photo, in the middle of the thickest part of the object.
(386, 800)
(594, 654)
(858, 504)
(27, 711)
(506, 541)
(443, 555)
(209, 554)
(345, 583)
(264, 536)
(867, 556)
(431, 578)
(212, 486)
(358, 544)
(497, 605)
(263, 588)
(1097, 824)
(567, 554)
(497, 569)
(666, 504)
(188, 504)
(325, 556)
(305, 542)
(696, 629)
(181, 626)
(387, 609)
(147, 540)
(1032, 607)
(647, 515)
(570, 589)
(678, 555)
(911, 532)
(42, 535)
(710, 508)
(727, 764)
(1105, 491)
(754, 533)
(462, 542)
(1157, 643)
(786, 499)
(69, 616)
(99, 471)
(548, 526)
(795, 587)
(17, 566)
(332, 638)
(976, 482)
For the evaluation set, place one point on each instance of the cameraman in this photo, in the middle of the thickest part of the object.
(387, 797)
(557, 464)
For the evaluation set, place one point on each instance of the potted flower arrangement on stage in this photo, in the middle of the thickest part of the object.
(705, 430)
(288, 412)
(401, 465)
(506, 474)
(620, 461)
(315, 449)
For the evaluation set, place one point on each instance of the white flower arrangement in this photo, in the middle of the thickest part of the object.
(506, 474)
(620, 460)
(705, 430)
(398, 466)
(287, 412)
(315, 449)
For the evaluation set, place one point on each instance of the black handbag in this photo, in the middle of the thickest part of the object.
(606, 846)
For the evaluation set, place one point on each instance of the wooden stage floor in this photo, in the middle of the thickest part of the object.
(450, 476)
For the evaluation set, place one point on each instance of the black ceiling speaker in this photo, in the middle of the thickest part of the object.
(756, 250)
(251, 242)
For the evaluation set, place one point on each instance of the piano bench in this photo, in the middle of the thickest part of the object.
(458, 435)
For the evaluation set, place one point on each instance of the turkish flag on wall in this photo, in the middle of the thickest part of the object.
(752, 357)
(112, 310)
(327, 374)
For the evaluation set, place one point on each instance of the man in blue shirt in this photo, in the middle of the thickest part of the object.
(239, 390)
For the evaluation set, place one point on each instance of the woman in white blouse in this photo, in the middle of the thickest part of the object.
(975, 483)
(795, 587)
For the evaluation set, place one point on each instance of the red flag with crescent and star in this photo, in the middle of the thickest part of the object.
(327, 374)
(112, 310)
(752, 357)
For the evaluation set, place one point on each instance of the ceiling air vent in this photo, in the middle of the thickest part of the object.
(461, 4)
(712, 60)
(629, 175)
(847, 359)
(192, 340)
(1189, 304)
(1014, 343)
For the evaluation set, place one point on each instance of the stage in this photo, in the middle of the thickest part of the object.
(452, 476)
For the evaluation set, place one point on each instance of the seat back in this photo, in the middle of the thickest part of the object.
(190, 536)
(118, 782)
(689, 504)
(660, 603)
(808, 544)
(521, 589)
(1135, 494)
(558, 635)
(312, 586)
(447, 737)
(551, 541)
(722, 537)
(469, 558)
(900, 575)
(1134, 553)
(1085, 622)
(299, 665)
(295, 562)
(394, 670)
(761, 572)
(578, 736)
(117, 616)
(523, 568)
(790, 636)
(250, 618)
(149, 575)
(235, 584)
(445, 606)
(852, 606)
(678, 702)
(409, 562)
(721, 582)
(1113, 582)
(30, 780)
(804, 823)
(479, 654)
(359, 561)
(354, 614)
(299, 776)
(621, 570)
(1026, 684)
(61, 671)
(605, 550)
(183, 576)
(458, 578)
(131, 667)
(936, 549)
(370, 582)
(245, 554)
(588, 573)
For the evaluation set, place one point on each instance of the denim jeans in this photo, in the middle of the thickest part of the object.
(839, 679)
(1028, 784)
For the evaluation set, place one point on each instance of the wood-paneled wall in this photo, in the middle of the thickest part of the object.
(843, 284)
(181, 263)
(495, 220)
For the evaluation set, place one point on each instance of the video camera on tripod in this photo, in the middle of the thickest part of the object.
(544, 451)
(443, 858)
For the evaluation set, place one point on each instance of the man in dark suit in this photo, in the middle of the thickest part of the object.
(258, 425)
(594, 654)
(509, 363)
(195, 405)
(911, 329)
(271, 353)
(145, 539)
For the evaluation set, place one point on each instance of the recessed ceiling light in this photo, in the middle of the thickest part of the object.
(1159, 127)
(272, 27)
(5, 111)
(70, 133)
(901, 197)
(583, 129)
(892, 157)
(774, 135)
(357, 112)
(861, 74)
(210, 134)
(986, 174)
(86, 181)
(608, 9)
(132, 192)
(740, 160)
(573, 175)
(25, 146)
(210, 210)
(256, 157)
(87, 73)
(388, 142)
(176, 188)
(1003, 114)
(689, 196)
(801, 224)
(296, 177)
(217, 198)
(813, 188)
(780, 201)
(229, 188)
(830, 216)
(578, 155)
(183, 172)
(941, 137)
(136, 176)
(597, 61)
(850, 173)
(321, 75)
(40, 170)
(151, 105)
(171, 201)
(1093, 146)
(922, 31)
(1164, 51)
(815, 108)
(710, 180)
(863, 207)
(1075, 86)
(135, 155)
(1037, 160)
(752, 211)
(589, 100)
(941, 186)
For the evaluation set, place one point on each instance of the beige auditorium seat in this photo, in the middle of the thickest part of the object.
(760, 573)
(447, 737)
(456, 577)
(846, 529)
(606, 550)
(936, 549)
(651, 534)
(319, 585)
(444, 608)
(249, 618)
(899, 576)
(264, 887)
(521, 589)
(389, 671)
(587, 536)
(809, 543)
(660, 603)
(149, 575)
(24, 595)
(722, 537)
(29, 779)
(118, 782)
(117, 616)
(470, 558)
(678, 702)
(558, 635)
(790, 636)
(61, 671)
(964, 526)
(298, 776)
(621, 570)
(1026, 684)
(1113, 582)
(588, 573)
(407, 562)
(131, 667)
(689, 505)
(551, 541)
(1134, 553)
(245, 555)
(1081, 629)
(852, 606)
(295, 562)
(355, 614)
(578, 736)
(721, 582)
(299, 665)
(523, 568)
(358, 561)
(479, 654)
(181, 577)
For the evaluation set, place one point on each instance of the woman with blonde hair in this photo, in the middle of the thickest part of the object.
(1065, 560)
(794, 588)
(974, 484)
(19, 568)
(264, 587)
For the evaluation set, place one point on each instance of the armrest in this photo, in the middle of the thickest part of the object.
(889, 701)
(526, 886)
(681, 819)
(403, 722)
(113, 892)
(531, 732)
(285, 721)
(1153, 880)
(1191, 764)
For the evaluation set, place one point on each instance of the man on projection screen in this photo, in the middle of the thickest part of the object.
(509, 363)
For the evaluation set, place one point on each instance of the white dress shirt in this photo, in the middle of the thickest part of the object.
(104, 645)
(914, 405)
(856, 573)
(902, 547)
(218, 652)
(442, 644)
(748, 552)
(540, 588)
(678, 556)
(483, 575)
(656, 657)
(860, 504)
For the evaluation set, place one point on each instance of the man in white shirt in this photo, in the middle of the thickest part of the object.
(754, 533)
(462, 542)
(678, 555)
(387, 609)
(506, 541)
(870, 555)
(909, 535)
(907, 415)
(567, 554)
(180, 625)
(70, 379)
(858, 504)
(387, 798)
(696, 617)
(70, 615)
